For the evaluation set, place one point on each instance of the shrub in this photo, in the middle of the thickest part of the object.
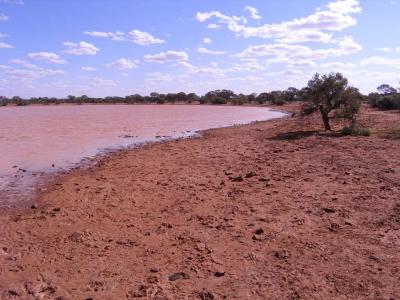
(389, 102)
(356, 130)
(218, 100)
(278, 101)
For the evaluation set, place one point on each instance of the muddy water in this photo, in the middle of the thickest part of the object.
(38, 140)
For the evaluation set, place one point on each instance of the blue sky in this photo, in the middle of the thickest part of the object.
(123, 47)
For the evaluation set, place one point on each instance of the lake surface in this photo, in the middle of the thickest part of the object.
(38, 140)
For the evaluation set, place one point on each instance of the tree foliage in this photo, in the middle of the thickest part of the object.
(331, 96)
(387, 98)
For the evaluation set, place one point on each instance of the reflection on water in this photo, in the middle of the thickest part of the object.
(37, 139)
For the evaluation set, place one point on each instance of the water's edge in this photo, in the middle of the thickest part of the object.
(46, 179)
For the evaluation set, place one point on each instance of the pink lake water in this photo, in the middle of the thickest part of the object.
(38, 140)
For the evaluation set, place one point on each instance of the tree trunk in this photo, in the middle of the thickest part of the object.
(325, 119)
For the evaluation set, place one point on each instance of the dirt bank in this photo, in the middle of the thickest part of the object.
(273, 210)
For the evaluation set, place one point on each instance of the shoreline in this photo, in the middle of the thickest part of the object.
(275, 209)
(51, 177)
(105, 155)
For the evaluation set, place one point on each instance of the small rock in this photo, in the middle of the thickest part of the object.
(262, 179)
(34, 206)
(206, 295)
(329, 210)
(334, 227)
(259, 231)
(200, 247)
(237, 179)
(281, 254)
(154, 270)
(373, 257)
(177, 276)
(219, 274)
(250, 174)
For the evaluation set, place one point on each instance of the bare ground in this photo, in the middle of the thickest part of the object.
(273, 210)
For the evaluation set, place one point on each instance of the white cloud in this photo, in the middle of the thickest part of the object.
(143, 38)
(207, 41)
(88, 69)
(31, 74)
(135, 36)
(123, 64)
(167, 56)
(23, 63)
(376, 60)
(384, 49)
(21, 2)
(338, 66)
(157, 77)
(47, 56)
(3, 35)
(213, 26)
(212, 70)
(4, 18)
(116, 36)
(203, 50)
(288, 53)
(306, 36)
(81, 48)
(101, 82)
(253, 12)
(5, 46)
(334, 17)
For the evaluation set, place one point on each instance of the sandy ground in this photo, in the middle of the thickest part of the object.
(273, 210)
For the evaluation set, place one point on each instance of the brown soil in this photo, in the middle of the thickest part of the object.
(273, 210)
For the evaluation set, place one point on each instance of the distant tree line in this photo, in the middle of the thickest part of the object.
(387, 97)
(212, 97)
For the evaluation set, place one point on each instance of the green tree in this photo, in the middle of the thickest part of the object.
(331, 96)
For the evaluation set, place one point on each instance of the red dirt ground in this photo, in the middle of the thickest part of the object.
(272, 210)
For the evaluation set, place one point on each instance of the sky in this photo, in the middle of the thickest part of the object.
(123, 47)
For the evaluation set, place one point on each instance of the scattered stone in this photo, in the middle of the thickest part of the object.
(177, 276)
(201, 247)
(13, 293)
(206, 295)
(219, 274)
(34, 206)
(282, 254)
(373, 257)
(154, 270)
(334, 227)
(250, 174)
(329, 210)
(237, 179)
(262, 179)
(259, 231)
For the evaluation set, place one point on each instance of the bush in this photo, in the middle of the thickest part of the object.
(356, 130)
(218, 100)
(278, 101)
(385, 101)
